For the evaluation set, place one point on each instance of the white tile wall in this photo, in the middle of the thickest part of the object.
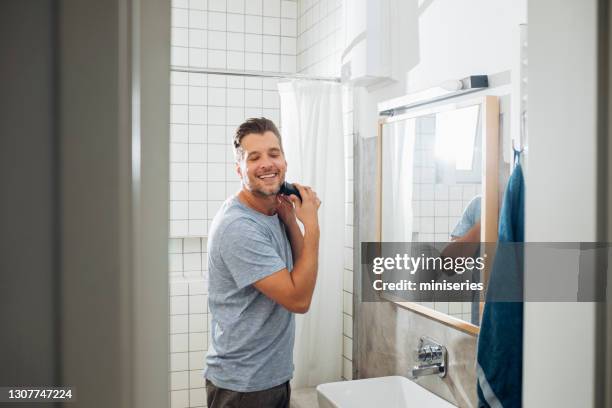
(229, 33)
(189, 334)
(206, 109)
(320, 37)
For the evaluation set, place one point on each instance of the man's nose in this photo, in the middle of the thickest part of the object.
(266, 162)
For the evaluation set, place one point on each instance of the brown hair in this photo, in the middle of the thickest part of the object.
(254, 125)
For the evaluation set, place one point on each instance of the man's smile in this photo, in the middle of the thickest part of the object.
(268, 176)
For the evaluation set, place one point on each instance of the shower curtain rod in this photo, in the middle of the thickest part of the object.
(234, 72)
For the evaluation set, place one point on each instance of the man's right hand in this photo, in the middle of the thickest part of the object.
(293, 289)
(306, 209)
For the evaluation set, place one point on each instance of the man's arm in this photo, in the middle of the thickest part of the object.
(294, 289)
(465, 245)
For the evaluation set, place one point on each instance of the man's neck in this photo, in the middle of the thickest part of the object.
(263, 204)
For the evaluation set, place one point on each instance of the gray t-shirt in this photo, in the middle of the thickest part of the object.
(252, 336)
(470, 216)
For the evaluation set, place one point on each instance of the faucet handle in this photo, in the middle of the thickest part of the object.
(428, 351)
(421, 354)
(431, 358)
(436, 352)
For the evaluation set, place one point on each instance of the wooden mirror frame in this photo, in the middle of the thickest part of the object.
(490, 192)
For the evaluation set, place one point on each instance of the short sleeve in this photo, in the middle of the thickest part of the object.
(470, 216)
(248, 252)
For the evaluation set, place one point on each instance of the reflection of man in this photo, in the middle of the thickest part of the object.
(254, 286)
(465, 239)
(468, 227)
(465, 232)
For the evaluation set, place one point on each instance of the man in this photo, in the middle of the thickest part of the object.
(465, 237)
(465, 242)
(468, 227)
(254, 284)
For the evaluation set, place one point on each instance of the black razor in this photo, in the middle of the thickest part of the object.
(288, 189)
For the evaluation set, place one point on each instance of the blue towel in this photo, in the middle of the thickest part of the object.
(500, 343)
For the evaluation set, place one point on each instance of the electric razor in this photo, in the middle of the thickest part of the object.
(288, 189)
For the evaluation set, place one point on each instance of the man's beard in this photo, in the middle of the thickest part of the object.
(258, 191)
(262, 193)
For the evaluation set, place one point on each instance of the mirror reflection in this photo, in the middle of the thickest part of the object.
(432, 183)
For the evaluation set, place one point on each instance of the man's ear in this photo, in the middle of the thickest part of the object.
(238, 169)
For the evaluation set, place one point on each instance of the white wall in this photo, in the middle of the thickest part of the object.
(457, 39)
(435, 41)
(561, 194)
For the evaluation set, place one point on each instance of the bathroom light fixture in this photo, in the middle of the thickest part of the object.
(452, 85)
(446, 90)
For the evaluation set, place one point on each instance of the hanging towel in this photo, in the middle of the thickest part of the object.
(499, 362)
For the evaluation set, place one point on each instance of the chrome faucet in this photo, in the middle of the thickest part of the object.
(431, 358)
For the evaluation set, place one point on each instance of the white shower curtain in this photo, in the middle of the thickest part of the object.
(311, 118)
(398, 162)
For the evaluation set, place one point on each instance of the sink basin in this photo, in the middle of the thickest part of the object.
(388, 392)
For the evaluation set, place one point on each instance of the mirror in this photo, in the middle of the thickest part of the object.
(438, 191)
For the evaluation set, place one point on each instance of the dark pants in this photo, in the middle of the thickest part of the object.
(275, 397)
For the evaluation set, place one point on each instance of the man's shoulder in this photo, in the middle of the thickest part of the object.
(234, 221)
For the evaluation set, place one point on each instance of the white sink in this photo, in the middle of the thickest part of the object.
(388, 392)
